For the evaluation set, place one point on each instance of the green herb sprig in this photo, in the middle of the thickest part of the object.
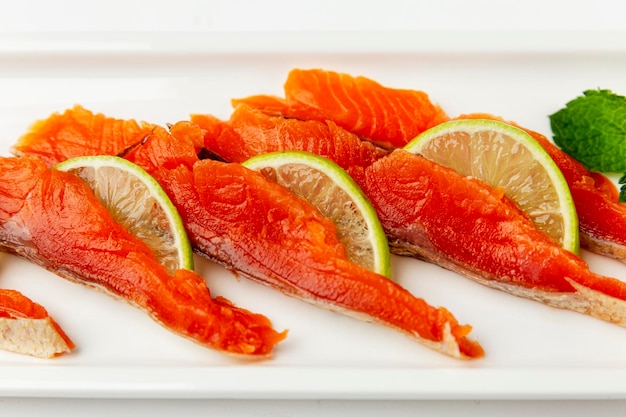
(592, 129)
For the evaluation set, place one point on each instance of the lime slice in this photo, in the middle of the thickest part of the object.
(137, 202)
(508, 158)
(335, 194)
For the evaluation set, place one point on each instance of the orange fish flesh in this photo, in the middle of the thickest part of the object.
(106, 133)
(27, 328)
(250, 132)
(321, 95)
(260, 230)
(498, 258)
(389, 117)
(601, 217)
(42, 218)
(469, 227)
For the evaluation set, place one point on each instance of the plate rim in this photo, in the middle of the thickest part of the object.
(251, 383)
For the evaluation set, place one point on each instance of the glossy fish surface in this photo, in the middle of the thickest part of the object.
(469, 227)
(601, 217)
(260, 230)
(389, 117)
(42, 218)
(487, 238)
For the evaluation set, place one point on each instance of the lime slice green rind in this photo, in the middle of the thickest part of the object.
(375, 233)
(184, 252)
(431, 144)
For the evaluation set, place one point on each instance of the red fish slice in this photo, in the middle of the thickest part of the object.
(504, 266)
(26, 327)
(601, 217)
(388, 117)
(261, 230)
(250, 132)
(107, 134)
(42, 218)
(321, 95)
(469, 227)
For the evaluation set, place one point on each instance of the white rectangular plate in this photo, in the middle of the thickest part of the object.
(532, 351)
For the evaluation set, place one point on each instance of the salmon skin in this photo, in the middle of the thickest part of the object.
(601, 217)
(471, 228)
(42, 218)
(27, 328)
(260, 230)
(504, 255)
(388, 117)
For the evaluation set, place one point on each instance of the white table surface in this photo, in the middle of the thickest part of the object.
(35, 17)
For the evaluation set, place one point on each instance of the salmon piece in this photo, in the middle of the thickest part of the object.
(212, 127)
(601, 217)
(26, 328)
(277, 106)
(462, 224)
(386, 116)
(42, 218)
(260, 230)
(60, 135)
(250, 132)
(319, 95)
(191, 132)
(497, 250)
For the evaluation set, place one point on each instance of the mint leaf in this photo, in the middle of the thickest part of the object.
(592, 129)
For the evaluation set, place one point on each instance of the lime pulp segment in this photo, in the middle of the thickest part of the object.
(139, 203)
(507, 157)
(328, 187)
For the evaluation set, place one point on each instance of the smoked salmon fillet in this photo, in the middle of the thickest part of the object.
(107, 134)
(601, 217)
(501, 251)
(27, 328)
(53, 219)
(326, 95)
(260, 230)
(389, 117)
(469, 227)
(250, 132)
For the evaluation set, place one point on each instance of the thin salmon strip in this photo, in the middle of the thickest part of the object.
(250, 132)
(320, 95)
(466, 226)
(601, 217)
(107, 134)
(27, 328)
(260, 230)
(388, 117)
(53, 219)
(498, 258)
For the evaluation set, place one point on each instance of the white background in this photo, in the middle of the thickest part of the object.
(38, 19)
(234, 15)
